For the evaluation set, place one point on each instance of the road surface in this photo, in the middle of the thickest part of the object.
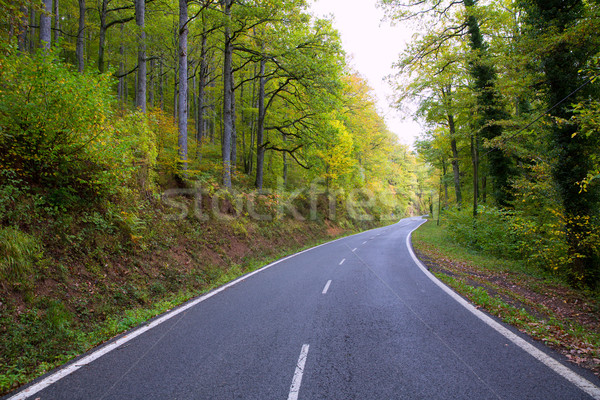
(356, 318)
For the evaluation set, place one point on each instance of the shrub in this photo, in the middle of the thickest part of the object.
(491, 232)
(49, 116)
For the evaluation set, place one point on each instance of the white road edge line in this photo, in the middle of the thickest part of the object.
(326, 288)
(341, 262)
(576, 379)
(70, 368)
(297, 380)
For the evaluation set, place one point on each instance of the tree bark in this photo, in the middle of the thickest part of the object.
(46, 25)
(80, 46)
(227, 102)
(233, 124)
(475, 160)
(260, 149)
(455, 164)
(23, 28)
(183, 85)
(102, 35)
(140, 16)
(32, 25)
(121, 87)
(56, 21)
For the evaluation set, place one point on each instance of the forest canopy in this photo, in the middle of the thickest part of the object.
(509, 94)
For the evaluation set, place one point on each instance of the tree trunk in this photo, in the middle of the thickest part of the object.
(102, 35)
(444, 173)
(46, 25)
(151, 83)
(455, 165)
(121, 87)
(140, 96)
(488, 100)
(202, 71)
(80, 47)
(23, 28)
(32, 24)
(285, 164)
(227, 102)
(260, 149)
(183, 84)
(161, 89)
(233, 125)
(475, 160)
(56, 21)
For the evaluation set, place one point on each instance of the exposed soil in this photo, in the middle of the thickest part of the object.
(537, 297)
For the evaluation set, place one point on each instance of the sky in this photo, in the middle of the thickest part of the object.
(373, 46)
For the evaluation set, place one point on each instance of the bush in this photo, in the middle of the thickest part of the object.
(49, 116)
(491, 232)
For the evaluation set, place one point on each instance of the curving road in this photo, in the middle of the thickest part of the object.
(356, 318)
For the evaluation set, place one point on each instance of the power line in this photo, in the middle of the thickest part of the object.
(541, 115)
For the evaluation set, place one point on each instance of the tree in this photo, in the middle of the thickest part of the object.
(140, 16)
(80, 48)
(46, 25)
(568, 42)
(183, 83)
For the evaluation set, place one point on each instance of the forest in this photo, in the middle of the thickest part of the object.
(151, 150)
(508, 92)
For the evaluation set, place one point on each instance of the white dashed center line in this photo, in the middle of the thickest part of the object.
(326, 288)
(341, 262)
(297, 380)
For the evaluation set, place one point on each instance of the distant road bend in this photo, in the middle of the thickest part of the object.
(356, 318)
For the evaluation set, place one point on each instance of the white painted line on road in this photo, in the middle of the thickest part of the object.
(297, 380)
(565, 372)
(70, 368)
(326, 287)
(341, 262)
(365, 242)
(354, 249)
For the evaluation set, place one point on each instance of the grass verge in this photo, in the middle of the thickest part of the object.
(535, 302)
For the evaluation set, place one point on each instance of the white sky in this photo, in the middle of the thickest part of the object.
(373, 47)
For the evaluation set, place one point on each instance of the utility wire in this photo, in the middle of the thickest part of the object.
(541, 115)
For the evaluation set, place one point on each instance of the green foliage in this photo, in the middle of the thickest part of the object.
(49, 117)
(18, 254)
(490, 232)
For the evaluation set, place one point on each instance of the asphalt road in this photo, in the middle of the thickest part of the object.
(356, 318)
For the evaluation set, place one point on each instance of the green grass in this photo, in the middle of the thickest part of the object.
(47, 334)
(467, 272)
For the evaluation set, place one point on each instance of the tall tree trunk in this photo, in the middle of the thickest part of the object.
(285, 164)
(233, 124)
(140, 14)
(488, 100)
(56, 21)
(227, 93)
(455, 165)
(161, 88)
(475, 160)
(102, 35)
(444, 173)
(46, 25)
(183, 84)
(80, 47)
(260, 149)
(32, 24)
(202, 71)
(23, 29)
(121, 87)
(151, 83)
